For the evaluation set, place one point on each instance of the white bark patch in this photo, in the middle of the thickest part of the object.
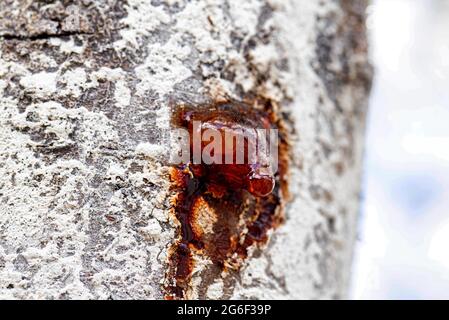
(163, 68)
(67, 47)
(41, 84)
(215, 290)
(75, 81)
(142, 18)
(122, 94)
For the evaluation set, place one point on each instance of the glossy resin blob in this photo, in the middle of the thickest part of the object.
(224, 209)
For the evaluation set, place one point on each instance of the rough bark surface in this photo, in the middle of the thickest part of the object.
(84, 99)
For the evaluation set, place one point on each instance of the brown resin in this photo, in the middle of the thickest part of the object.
(223, 209)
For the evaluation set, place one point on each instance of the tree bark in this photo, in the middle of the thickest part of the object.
(85, 91)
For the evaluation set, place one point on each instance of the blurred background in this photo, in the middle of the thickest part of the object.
(403, 247)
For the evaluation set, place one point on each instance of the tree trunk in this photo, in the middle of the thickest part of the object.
(86, 96)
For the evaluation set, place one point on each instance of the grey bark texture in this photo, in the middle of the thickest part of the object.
(84, 98)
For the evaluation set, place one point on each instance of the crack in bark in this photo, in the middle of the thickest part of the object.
(42, 36)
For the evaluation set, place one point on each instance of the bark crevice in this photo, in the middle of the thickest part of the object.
(43, 36)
